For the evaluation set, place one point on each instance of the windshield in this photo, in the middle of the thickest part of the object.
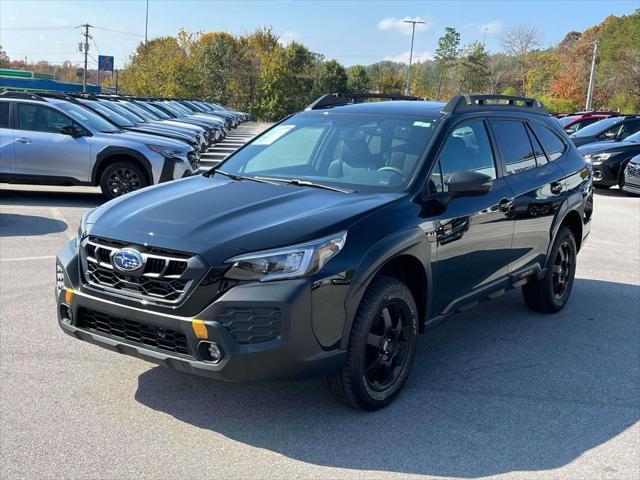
(87, 118)
(132, 117)
(110, 114)
(172, 109)
(597, 128)
(354, 151)
(564, 121)
(156, 110)
(635, 138)
(149, 117)
(181, 108)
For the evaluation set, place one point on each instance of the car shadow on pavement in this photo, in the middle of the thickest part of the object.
(14, 225)
(496, 389)
(51, 199)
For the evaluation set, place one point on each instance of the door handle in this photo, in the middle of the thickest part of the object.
(505, 205)
(556, 188)
(23, 140)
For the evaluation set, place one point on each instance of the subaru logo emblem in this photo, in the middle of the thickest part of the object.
(127, 260)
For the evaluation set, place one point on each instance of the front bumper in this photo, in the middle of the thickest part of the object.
(604, 175)
(294, 354)
(631, 184)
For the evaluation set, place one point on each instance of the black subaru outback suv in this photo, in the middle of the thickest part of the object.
(328, 243)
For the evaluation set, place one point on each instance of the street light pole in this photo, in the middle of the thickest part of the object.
(413, 32)
(146, 23)
(592, 77)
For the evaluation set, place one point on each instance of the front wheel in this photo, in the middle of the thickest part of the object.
(381, 347)
(551, 293)
(121, 178)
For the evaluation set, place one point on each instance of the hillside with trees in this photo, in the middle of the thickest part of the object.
(257, 73)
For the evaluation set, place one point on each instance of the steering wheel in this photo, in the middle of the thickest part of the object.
(393, 169)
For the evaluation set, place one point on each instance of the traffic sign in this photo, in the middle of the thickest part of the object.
(105, 62)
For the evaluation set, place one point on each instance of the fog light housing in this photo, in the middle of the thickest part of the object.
(211, 352)
(66, 315)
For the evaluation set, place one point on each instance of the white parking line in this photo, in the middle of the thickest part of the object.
(58, 215)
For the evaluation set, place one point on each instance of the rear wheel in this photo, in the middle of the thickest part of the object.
(381, 347)
(121, 178)
(551, 293)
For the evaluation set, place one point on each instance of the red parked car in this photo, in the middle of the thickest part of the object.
(573, 123)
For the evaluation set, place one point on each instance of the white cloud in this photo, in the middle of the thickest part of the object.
(393, 23)
(404, 57)
(289, 36)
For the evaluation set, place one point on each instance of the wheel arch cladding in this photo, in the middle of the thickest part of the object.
(110, 155)
(408, 249)
(573, 222)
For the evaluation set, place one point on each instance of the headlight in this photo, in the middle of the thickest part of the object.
(598, 158)
(289, 262)
(166, 151)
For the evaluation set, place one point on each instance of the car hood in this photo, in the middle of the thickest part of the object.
(202, 214)
(149, 139)
(607, 146)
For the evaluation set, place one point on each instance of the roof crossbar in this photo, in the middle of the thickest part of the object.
(336, 99)
(470, 103)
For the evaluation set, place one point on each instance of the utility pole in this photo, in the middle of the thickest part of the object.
(413, 32)
(146, 23)
(484, 39)
(85, 48)
(592, 77)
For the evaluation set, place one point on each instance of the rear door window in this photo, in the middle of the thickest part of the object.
(514, 145)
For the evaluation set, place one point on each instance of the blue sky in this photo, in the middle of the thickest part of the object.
(350, 31)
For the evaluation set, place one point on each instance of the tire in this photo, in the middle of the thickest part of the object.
(381, 347)
(551, 293)
(621, 180)
(121, 178)
(601, 187)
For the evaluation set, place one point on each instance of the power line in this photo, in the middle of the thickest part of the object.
(37, 28)
(119, 31)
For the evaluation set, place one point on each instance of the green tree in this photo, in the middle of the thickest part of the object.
(157, 69)
(446, 55)
(331, 77)
(474, 68)
(4, 58)
(358, 80)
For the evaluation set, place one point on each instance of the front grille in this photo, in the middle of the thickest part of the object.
(149, 335)
(194, 160)
(252, 324)
(166, 277)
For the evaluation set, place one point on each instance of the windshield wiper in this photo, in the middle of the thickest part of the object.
(235, 176)
(306, 183)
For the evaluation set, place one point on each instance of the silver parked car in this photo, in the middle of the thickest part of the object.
(632, 176)
(54, 142)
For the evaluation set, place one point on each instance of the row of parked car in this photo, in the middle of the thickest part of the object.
(610, 141)
(119, 143)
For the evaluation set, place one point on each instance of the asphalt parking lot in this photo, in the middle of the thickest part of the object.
(496, 390)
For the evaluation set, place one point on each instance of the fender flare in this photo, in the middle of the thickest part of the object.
(574, 203)
(108, 152)
(413, 243)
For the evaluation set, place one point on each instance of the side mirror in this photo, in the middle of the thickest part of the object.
(610, 135)
(469, 183)
(71, 131)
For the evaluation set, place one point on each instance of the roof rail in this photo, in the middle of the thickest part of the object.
(474, 103)
(336, 99)
(21, 95)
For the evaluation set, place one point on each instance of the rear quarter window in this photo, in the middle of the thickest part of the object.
(550, 141)
(4, 114)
